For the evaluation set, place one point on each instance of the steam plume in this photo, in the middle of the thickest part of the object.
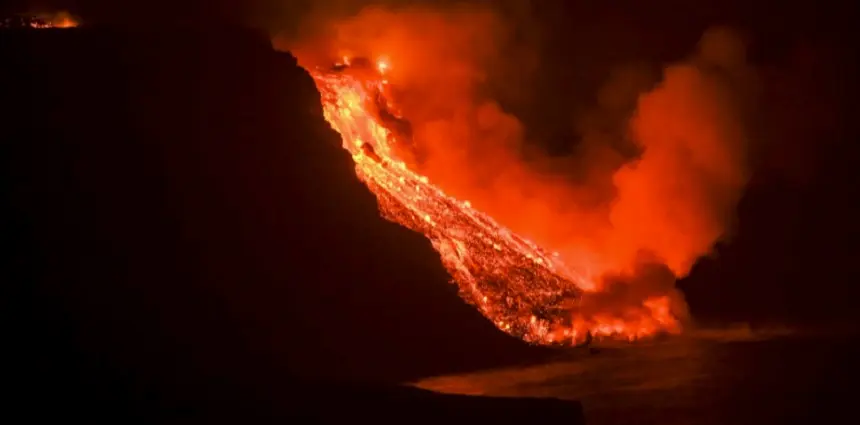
(657, 174)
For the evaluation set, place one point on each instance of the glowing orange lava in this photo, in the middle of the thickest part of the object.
(524, 290)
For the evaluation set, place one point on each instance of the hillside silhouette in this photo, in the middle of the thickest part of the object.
(185, 231)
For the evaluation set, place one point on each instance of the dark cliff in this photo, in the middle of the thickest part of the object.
(183, 226)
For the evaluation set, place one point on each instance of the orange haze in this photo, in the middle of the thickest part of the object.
(60, 19)
(631, 223)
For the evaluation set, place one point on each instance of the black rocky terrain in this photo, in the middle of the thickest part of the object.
(186, 239)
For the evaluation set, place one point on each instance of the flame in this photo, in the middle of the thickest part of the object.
(524, 290)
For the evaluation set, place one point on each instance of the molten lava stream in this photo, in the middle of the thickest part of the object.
(522, 289)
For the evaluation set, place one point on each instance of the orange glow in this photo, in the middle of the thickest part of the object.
(55, 20)
(523, 289)
(590, 240)
(382, 65)
(65, 22)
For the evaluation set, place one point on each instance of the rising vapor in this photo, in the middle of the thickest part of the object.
(633, 208)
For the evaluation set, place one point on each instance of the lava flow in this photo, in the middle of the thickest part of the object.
(524, 290)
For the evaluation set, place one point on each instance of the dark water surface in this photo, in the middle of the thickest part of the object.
(709, 378)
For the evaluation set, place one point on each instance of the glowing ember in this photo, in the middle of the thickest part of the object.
(523, 290)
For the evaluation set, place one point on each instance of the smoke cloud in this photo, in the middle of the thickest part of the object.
(679, 196)
(655, 175)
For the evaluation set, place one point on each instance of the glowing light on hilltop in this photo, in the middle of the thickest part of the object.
(41, 21)
(65, 22)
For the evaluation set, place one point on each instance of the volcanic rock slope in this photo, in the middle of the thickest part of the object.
(180, 215)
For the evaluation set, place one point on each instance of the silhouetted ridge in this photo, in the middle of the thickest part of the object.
(186, 224)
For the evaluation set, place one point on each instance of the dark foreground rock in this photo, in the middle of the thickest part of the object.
(412, 405)
(185, 236)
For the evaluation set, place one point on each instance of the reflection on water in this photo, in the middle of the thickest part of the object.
(651, 366)
(707, 377)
